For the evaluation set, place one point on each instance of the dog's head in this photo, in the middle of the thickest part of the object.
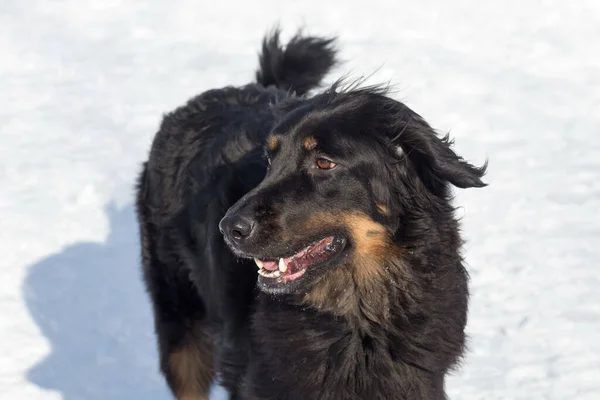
(350, 173)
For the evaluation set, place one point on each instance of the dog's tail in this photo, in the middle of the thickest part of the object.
(300, 66)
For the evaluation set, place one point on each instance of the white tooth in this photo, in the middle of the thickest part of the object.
(271, 274)
(258, 263)
(282, 265)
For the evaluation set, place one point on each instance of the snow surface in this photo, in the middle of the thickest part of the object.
(84, 83)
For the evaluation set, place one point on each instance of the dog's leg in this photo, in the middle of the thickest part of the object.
(189, 368)
(186, 352)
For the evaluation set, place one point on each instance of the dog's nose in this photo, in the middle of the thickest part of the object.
(237, 227)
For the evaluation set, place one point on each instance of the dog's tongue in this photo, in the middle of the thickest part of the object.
(304, 258)
(270, 265)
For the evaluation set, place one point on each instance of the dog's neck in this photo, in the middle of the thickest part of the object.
(363, 295)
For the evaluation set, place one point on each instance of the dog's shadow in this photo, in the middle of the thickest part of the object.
(89, 302)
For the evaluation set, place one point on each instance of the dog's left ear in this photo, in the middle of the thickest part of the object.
(433, 158)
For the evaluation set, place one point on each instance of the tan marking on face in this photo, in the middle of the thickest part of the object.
(310, 143)
(370, 238)
(383, 209)
(273, 143)
(191, 368)
(361, 285)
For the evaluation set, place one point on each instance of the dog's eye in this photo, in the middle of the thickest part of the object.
(323, 163)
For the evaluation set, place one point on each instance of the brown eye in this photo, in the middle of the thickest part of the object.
(323, 163)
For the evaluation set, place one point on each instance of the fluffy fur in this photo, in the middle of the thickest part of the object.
(382, 319)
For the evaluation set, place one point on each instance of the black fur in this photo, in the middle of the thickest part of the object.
(299, 67)
(386, 318)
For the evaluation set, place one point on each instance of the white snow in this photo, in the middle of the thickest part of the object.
(83, 85)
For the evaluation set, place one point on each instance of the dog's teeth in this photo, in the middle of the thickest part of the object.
(258, 263)
(269, 274)
(282, 265)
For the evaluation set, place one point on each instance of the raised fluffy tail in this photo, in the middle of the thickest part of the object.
(300, 66)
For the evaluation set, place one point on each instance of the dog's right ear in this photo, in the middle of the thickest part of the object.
(431, 156)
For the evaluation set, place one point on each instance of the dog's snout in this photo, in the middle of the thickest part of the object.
(237, 227)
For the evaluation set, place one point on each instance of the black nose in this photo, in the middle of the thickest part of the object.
(237, 227)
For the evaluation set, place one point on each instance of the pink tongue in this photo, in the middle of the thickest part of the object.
(304, 256)
(270, 265)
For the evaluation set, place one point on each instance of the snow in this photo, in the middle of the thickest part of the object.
(84, 83)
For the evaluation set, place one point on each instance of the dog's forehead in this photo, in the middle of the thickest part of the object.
(294, 137)
(331, 142)
(301, 140)
(328, 129)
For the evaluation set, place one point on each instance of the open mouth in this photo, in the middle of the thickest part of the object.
(288, 269)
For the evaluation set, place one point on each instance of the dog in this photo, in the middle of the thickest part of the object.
(303, 247)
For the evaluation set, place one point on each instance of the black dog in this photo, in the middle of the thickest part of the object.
(343, 202)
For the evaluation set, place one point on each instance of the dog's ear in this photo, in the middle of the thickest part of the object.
(432, 156)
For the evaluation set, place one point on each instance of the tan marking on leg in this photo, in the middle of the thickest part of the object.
(192, 368)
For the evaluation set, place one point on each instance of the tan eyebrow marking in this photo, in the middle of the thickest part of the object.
(310, 143)
(273, 143)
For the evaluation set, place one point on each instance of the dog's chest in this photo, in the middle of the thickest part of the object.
(307, 355)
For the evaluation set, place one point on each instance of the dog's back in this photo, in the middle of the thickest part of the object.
(205, 156)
